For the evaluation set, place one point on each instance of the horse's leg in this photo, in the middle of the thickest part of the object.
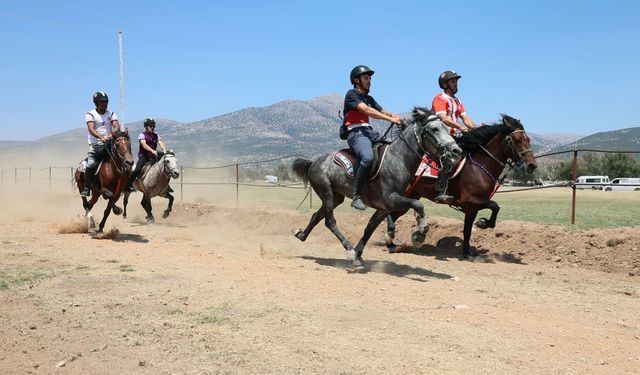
(88, 205)
(375, 220)
(469, 217)
(391, 230)
(399, 202)
(316, 218)
(125, 200)
(105, 215)
(166, 212)
(483, 222)
(146, 203)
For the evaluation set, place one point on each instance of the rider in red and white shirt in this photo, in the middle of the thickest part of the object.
(450, 110)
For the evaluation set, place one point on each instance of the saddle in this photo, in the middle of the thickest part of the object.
(429, 168)
(82, 166)
(347, 160)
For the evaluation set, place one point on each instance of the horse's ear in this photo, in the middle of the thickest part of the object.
(419, 111)
(126, 131)
(507, 120)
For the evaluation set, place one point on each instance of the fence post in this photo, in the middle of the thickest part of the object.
(2, 176)
(71, 168)
(181, 184)
(575, 175)
(15, 175)
(237, 185)
(49, 177)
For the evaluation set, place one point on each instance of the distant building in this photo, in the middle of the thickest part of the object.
(271, 179)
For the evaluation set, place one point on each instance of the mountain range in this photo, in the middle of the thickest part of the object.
(291, 127)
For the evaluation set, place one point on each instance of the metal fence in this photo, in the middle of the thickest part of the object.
(232, 175)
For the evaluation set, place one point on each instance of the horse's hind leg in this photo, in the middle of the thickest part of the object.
(330, 222)
(166, 212)
(125, 200)
(88, 205)
(316, 218)
(146, 204)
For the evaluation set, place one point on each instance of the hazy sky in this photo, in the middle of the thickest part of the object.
(559, 66)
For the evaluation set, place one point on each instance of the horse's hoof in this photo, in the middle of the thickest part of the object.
(358, 266)
(482, 223)
(418, 238)
(470, 255)
(392, 248)
(117, 210)
(350, 254)
(299, 234)
(389, 236)
(150, 220)
(165, 214)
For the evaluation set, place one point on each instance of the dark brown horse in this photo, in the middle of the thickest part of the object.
(111, 179)
(489, 149)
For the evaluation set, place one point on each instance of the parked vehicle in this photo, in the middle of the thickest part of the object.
(593, 182)
(624, 184)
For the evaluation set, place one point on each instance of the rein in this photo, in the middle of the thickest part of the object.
(507, 142)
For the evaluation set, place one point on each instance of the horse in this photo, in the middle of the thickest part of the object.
(489, 149)
(424, 133)
(112, 176)
(155, 183)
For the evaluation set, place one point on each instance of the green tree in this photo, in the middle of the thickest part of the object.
(620, 165)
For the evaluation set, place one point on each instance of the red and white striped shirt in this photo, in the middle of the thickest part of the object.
(450, 106)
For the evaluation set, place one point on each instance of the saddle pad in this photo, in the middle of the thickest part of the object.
(82, 166)
(346, 160)
(431, 168)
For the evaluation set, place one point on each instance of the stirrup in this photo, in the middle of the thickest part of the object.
(358, 204)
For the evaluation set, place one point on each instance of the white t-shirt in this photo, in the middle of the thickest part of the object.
(103, 123)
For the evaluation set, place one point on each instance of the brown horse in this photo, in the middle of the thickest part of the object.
(112, 177)
(489, 149)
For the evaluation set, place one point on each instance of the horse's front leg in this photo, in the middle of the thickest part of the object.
(105, 215)
(483, 222)
(166, 212)
(125, 200)
(146, 204)
(390, 234)
(375, 220)
(401, 203)
(469, 217)
(88, 205)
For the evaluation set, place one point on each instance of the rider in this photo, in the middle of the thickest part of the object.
(449, 109)
(358, 106)
(102, 125)
(149, 140)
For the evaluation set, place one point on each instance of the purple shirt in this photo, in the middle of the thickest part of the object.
(152, 141)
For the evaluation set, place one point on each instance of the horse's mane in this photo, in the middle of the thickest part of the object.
(421, 114)
(121, 134)
(483, 134)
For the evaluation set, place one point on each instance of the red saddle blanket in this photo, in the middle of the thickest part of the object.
(428, 168)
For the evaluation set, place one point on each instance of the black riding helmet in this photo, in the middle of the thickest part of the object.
(360, 70)
(100, 96)
(445, 76)
(149, 121)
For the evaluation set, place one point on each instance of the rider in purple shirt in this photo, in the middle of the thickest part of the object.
(147, 153)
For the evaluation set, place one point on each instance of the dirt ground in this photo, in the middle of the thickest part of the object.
(215, 290)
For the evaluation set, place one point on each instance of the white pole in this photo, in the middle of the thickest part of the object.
(121, 78)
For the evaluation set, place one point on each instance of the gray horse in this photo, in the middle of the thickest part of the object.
(155, 183)
(424, 134)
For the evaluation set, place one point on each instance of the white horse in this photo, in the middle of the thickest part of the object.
(154, 182)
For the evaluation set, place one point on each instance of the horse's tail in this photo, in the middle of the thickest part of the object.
(301, 169)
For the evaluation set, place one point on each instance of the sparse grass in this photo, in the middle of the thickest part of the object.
(594, 208)
(112, 261)
(14, 278)
(126, 268)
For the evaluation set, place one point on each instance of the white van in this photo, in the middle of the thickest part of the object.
(624, 184)
(593, 182)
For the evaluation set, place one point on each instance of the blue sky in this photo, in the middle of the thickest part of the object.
(559, 66)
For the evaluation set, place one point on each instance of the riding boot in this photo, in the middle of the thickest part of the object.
(361, 178)
(129, 188)
(441, 187)
(88, 179)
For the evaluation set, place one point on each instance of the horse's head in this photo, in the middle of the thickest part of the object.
(170, 164)
(434, 135)
(517, 144)
(122, 149)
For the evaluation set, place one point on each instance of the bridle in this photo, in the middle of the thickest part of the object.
(442, 148)
(120, 156)
(508, 145)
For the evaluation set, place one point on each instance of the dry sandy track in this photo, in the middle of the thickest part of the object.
(217, 290)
